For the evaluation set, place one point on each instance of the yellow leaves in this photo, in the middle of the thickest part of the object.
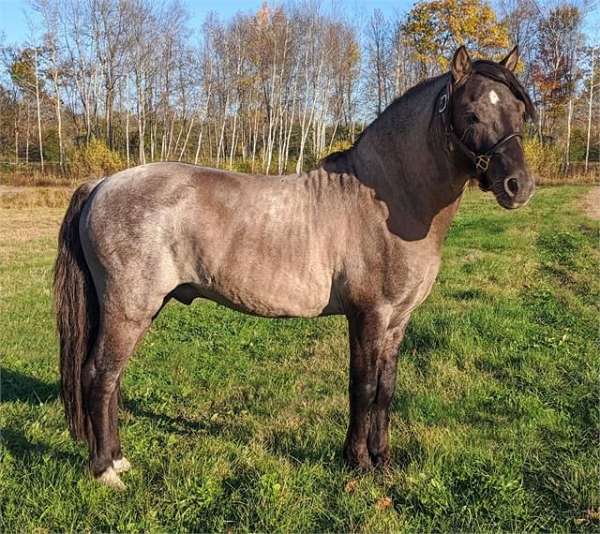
(436, 28)
(263, 15)
(94, 160)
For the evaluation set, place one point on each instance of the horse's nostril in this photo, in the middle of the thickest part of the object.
(511, 186)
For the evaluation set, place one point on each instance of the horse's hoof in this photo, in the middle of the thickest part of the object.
(380, 460)
(359, 461)
(121, 466)
(111, 479)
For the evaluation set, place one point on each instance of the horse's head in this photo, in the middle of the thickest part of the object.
(489, 108)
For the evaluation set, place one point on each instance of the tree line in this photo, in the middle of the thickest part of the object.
(123, 82)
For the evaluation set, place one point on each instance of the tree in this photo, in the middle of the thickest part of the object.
(436, 28)
(268, 91)
(24, 71)
(555, 70)
(378, 58)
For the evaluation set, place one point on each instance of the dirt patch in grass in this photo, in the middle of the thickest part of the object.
(590, 204)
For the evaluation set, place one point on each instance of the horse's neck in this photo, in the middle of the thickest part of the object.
(402, 157)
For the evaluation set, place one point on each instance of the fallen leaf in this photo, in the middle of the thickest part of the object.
(384, 503)
(351, 485)
(593, 515)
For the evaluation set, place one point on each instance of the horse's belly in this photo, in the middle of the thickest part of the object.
(270, 293)
(270, 284)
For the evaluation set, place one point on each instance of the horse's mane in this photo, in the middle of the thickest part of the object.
(339, 154)
(489, 69)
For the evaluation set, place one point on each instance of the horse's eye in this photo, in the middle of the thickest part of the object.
(472, 118)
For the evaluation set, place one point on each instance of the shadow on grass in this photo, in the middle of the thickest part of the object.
(23, 449)
(18, 387)
(293, 445)
(167, 423)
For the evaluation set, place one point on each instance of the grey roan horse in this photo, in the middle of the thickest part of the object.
(361, 236)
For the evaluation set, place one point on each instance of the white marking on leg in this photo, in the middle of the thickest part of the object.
(111, 479)
(494, 98)
(121, 466)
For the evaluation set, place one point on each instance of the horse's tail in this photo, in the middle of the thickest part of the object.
(76, 308)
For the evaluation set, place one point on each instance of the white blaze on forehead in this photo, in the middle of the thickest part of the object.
(494, 98)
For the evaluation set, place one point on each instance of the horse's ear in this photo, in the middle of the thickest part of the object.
(461, 64)
(510, 61)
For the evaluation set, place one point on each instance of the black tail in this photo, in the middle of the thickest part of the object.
(76, 308)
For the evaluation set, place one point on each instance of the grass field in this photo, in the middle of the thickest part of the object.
(235, 423)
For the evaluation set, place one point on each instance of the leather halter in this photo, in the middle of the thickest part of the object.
(480, 160)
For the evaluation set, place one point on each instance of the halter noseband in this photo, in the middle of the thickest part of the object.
(481, 160)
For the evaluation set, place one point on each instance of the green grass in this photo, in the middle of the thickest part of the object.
(236, 423)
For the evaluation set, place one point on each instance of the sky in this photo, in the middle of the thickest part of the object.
(15, 28)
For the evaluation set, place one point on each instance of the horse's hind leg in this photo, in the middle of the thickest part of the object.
(120, 463)
(117, 338)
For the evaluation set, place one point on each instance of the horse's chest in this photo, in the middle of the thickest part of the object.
(415, 277)
(406, 274)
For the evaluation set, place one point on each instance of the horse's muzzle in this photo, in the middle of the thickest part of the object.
(513, 191)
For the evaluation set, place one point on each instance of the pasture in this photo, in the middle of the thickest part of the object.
(234, 423)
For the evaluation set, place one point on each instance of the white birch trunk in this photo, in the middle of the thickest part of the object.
(589, 125)
(39, 113)
(568, 147)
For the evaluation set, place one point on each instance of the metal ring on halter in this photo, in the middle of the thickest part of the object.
(443, 103)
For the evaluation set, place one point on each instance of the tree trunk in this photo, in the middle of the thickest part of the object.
(233, 141)
(27, 136)
(589, 125)
(254, 139)
(17, 137)
(568, 147)
(61, 150)
(140, 121)
(127, 136)
(39, 113)
(199, 144)
(187, 136)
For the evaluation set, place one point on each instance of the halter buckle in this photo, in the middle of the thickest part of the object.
(482, 162)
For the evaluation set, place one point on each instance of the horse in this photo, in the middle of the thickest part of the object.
(360, 236)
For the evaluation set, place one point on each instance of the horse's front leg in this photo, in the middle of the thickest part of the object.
(374, 340)
(378, 441)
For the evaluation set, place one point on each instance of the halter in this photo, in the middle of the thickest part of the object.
(481, 160)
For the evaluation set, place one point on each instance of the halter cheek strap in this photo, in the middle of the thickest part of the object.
(481, 160)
